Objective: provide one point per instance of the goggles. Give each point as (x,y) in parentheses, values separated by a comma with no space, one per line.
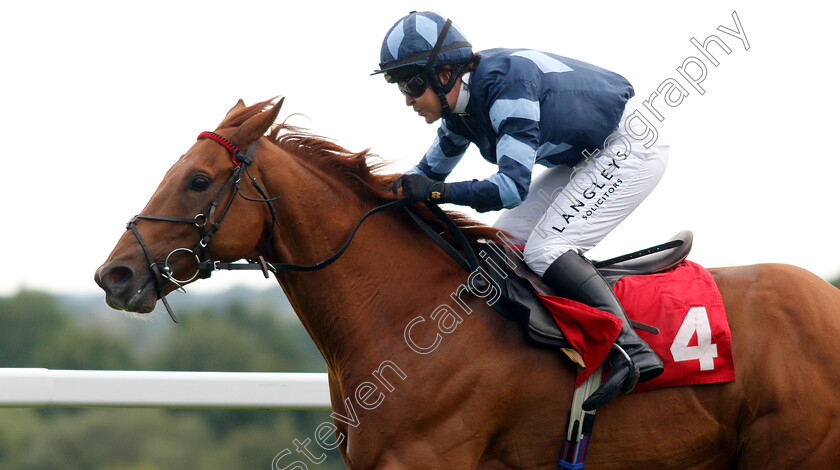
(414,86)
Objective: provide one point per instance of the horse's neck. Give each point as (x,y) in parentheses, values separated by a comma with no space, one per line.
(363,301)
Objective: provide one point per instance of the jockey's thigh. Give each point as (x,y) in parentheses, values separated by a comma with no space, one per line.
(595,196)
(519,221)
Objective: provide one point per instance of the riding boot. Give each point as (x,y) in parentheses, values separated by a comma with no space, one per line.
(631,359)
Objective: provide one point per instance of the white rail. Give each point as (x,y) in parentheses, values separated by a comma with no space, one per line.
(37,387)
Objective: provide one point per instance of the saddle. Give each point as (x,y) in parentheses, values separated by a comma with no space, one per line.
(519,285)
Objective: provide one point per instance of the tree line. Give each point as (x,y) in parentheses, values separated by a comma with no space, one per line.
(43,330)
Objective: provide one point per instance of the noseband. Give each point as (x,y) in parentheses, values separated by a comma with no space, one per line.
(161,271)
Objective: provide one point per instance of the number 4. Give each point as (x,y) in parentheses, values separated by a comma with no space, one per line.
(697,320)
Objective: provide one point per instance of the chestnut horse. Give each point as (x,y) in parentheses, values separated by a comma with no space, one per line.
(469,391)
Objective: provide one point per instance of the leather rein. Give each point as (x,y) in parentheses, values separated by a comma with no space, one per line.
(209,222)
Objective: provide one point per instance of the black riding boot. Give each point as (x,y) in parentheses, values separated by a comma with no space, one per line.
(576,279)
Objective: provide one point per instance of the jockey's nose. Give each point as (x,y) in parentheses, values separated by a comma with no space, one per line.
(409,100)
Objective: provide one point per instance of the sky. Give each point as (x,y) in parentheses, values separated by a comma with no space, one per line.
(99,99)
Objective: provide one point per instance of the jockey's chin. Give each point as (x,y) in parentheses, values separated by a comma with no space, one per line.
(428,113)
(430,118)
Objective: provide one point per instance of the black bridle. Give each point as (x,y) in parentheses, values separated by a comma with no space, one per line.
(161,270)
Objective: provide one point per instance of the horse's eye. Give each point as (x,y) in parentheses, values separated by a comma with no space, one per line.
(199,183)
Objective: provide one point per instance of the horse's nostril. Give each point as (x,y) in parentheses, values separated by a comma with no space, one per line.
(118,275)
(116,280)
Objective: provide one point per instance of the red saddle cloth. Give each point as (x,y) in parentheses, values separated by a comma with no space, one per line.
(684,303)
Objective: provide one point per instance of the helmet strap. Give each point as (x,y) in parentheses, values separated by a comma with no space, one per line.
(443,89)
(440,89)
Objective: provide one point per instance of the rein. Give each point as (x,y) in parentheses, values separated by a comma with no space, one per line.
(161,271)
(469,264)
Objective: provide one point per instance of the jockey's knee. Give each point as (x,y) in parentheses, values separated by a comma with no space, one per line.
(541,251)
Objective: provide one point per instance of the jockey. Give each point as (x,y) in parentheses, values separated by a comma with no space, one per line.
(521,107)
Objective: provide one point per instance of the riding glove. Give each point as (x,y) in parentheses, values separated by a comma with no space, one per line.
(422,188)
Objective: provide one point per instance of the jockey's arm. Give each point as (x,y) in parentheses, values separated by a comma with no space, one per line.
(515,116)
(445,152)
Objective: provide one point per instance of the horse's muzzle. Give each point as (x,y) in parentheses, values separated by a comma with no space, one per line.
(125,289)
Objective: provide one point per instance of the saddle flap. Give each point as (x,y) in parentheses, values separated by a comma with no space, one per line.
(518,301)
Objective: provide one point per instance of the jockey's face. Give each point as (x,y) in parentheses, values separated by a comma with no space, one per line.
(428,106)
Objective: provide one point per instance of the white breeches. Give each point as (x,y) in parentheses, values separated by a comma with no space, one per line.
(574,208)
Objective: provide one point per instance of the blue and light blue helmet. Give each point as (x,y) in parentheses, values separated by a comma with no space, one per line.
(411,40)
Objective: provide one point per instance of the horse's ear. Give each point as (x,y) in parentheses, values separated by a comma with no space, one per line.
(256,127)
(239,105)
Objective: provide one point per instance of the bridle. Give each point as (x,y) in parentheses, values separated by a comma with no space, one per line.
(207,222)
(161,270)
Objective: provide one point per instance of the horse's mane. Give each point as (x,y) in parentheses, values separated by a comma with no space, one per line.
(356,169)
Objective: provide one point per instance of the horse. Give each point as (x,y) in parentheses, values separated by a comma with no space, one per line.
(465,391)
